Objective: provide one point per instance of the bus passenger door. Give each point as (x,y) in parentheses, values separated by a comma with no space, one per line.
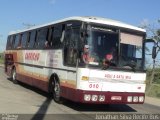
(70,55)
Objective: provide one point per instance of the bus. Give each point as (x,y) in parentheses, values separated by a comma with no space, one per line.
(83,59)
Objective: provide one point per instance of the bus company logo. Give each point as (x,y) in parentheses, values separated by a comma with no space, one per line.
(32,56)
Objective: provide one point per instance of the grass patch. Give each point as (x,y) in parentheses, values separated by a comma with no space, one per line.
(153,91)
(1,61)
(1,58)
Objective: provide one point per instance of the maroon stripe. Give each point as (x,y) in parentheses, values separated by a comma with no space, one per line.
(78,96)
(43,85)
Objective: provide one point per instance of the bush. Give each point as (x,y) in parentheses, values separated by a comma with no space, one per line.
(1,58)
(154,91)
(156,79)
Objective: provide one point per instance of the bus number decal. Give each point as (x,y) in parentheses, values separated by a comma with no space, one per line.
(94,86)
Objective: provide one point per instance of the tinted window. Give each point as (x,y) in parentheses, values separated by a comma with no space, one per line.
(16,42)
(42,38)
(48,43)
(24,39)
(56,36)
(31,41)
(9,42)
(71,46)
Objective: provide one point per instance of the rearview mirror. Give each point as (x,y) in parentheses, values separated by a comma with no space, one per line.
(149,40)
(154,49)
(154,52)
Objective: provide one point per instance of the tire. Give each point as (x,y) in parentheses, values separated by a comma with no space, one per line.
(55,89)
(14,73)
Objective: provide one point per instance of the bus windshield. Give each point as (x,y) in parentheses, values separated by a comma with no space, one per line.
(131,53)
(103,49)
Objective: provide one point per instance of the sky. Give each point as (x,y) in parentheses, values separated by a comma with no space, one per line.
(16,14)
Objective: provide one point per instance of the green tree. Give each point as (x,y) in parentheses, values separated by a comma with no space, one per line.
(153,32)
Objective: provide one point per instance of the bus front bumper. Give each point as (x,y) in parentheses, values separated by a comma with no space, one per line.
(104,97)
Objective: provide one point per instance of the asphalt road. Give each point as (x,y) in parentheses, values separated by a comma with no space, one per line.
(21,101)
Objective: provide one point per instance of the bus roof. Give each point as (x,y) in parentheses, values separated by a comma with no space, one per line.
(88,19)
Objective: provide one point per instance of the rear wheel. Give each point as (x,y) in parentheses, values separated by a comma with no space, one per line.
(14,73)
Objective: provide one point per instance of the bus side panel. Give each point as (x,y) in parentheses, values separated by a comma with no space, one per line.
(24,79)
(43,85)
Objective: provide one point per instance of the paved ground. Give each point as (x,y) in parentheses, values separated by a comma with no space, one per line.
(152,101)
(22,99)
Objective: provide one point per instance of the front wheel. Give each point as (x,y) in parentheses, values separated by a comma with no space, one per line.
(56,90)
(14,73)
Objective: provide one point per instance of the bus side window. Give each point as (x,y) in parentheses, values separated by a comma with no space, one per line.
(19,46)
(24,39)
(12,41)
(48,42)
(71,46)
(31,40)
(63,33)
(28,40)
(42,38)
(56,37)
(9,42)
(16,42)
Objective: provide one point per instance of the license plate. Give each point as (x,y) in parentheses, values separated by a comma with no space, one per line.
(116,98)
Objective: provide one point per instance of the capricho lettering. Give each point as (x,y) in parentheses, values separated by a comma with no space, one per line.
(32,56)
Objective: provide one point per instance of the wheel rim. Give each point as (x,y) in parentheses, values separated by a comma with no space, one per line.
(56,89)
(14,75)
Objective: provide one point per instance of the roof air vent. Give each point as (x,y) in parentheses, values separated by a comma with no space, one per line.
(93,18)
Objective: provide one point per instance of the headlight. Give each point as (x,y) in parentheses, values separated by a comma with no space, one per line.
(94,97)
(101,98)
(129,99)
(135,99)
(87,97)
(141,98)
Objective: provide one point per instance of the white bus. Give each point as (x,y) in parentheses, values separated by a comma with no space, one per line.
(82,59)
